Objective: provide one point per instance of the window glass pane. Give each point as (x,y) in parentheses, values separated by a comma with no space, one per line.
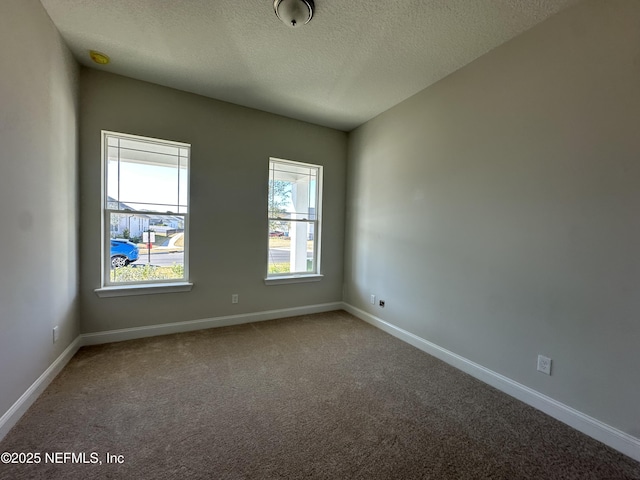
(146,247)
(146,146)
(292,190)
(147,158)
(291,247)
(149,207)
(279,198)
(149,182)
(112,174)
(308,215)
(184,183)
(289,171)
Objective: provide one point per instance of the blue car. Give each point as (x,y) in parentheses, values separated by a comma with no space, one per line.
(123,252)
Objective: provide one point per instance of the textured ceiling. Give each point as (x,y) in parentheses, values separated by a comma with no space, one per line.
(354,60)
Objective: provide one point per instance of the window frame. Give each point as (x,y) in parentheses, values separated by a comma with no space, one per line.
(299,277)
(108,287)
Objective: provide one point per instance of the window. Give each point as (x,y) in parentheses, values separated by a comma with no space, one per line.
(295,200)
(145,210)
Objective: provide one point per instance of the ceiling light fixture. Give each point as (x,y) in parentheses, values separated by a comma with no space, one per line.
(99,58)
(294,12)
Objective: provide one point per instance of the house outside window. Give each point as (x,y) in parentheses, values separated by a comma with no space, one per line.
(145,210)
(294,215)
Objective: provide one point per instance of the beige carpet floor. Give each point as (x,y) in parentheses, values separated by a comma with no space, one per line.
(320,396)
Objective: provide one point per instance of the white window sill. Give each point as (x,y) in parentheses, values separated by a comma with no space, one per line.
(292,279)
(143,289)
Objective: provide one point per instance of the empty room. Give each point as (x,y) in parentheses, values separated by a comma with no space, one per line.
(320,239)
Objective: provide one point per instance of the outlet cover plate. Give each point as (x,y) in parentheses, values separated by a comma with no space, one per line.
(544,364)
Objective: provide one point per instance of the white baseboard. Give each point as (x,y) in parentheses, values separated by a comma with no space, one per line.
(11,416)
(188,326)
(596,429)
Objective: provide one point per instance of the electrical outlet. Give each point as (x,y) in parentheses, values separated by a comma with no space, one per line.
(55,334)
(373,299)
(381,303)
(544,364)
(234,298)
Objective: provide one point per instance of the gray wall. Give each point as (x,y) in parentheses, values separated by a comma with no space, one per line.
(497,212)
(38,192)
(231,146)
